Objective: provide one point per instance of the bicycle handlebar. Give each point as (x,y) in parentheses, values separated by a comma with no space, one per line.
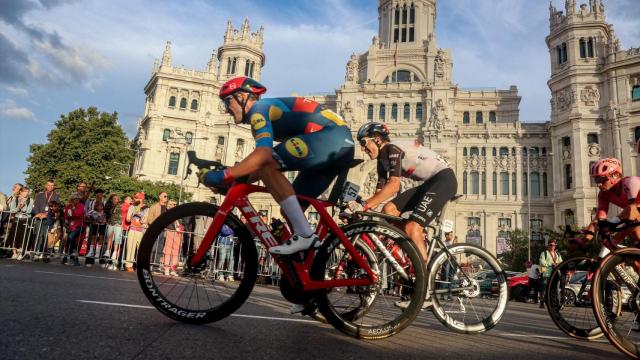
(201,163)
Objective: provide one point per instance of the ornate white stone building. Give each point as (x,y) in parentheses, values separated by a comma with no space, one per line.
(404,79)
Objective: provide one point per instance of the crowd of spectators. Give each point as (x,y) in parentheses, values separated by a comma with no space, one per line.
(103,229)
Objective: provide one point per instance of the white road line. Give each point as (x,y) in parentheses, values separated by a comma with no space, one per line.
(85,276)
(235,315)
(545,337)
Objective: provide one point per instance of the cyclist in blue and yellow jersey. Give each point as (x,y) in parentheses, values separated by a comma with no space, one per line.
(313,140)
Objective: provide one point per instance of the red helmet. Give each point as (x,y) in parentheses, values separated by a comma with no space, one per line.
(241,83)
(606,167)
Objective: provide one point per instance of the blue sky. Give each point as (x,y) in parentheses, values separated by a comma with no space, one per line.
(58,55)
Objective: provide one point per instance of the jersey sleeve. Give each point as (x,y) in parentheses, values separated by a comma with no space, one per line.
(633,189)
(261,127)
(603,206)
(382,176)
(395,161)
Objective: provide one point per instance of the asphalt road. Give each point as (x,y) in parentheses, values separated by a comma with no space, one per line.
(51,311)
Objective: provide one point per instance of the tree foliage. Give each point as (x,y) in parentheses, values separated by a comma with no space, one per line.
(90,146)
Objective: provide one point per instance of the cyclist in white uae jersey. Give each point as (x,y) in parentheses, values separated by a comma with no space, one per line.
(412,160)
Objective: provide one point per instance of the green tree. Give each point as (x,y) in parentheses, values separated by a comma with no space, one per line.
(518,243)
(90,146)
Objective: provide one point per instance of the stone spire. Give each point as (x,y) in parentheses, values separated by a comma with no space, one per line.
(166,55)
(570,7)
(212,65)
(228,34)
(245,29)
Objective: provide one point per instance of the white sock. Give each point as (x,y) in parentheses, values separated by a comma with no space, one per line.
(294,213)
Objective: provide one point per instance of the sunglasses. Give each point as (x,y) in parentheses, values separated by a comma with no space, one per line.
(363,142)
(600,179)
(226,101)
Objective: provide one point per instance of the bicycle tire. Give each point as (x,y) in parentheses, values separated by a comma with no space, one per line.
(147,271)
(453,315)
(618,328)
(575,320)
(374,302)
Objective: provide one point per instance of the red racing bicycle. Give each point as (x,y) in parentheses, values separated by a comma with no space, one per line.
(356,300)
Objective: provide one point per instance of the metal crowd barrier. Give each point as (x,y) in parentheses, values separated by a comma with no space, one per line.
(27,238)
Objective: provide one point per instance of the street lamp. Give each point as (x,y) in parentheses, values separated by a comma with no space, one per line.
(528,149)
(188,140)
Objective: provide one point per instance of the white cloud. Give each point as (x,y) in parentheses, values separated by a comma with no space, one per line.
(19,91)
(11,110)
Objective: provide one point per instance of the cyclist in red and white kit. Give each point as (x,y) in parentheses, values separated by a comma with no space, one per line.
(618,190)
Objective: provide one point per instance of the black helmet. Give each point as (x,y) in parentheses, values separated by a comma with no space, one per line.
(371,128)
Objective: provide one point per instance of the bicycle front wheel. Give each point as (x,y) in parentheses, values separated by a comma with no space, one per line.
(569,299)
(618,273)
(468,289)
(375,311)
(215,288)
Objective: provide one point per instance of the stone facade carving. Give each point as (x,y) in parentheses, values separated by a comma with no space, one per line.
(439,119)
(352,70)
(239,150)
(504,162)
(440,65)
(594,150)
(563,99)
(590,95)
(475,162)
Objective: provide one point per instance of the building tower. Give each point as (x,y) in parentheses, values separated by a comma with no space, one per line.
(581,131)
(241,53)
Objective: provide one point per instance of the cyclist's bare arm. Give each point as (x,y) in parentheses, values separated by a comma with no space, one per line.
(391,188)
(257,160)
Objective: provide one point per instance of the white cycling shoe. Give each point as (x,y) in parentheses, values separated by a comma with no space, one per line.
(405,304)
(296,243)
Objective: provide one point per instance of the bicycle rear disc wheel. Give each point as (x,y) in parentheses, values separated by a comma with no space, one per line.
(370,312)
(208,292)
(569,299)
(616,273)
(468,290)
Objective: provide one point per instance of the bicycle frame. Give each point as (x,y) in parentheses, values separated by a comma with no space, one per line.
(297,272)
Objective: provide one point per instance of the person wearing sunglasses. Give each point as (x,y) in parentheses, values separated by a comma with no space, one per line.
(409,159)
(614,188)
(312,140)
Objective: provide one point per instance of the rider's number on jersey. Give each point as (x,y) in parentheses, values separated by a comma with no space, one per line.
(350,192)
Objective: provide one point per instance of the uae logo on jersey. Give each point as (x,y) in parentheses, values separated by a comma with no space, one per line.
(297,148)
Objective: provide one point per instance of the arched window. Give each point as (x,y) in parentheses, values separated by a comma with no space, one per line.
(382,111)
(183,103)
(535,184)
(590,52)
(592,138)
(464,152)
(172,101)
(464,183)
(474,151)
(194,104)
(370,112)
(544,184)
(513,151)
(188,137)
(406,112)
(166,134)
(403,31)
(478,117)
(419,111)
(465,117)
(494,152)
(396,25)
(569,219)
(504,151)
(492,116)
(559,54)
(568,177)
(394,112)
(514,182)
(400,76)
(247,67)
(525,184)
(583,48)
(475,183)
(564,53)
(483,185)
(220,140)
(504,183)
(473,231)
(483,151)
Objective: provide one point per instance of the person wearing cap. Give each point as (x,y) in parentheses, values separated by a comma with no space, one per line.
(312,140)
(137,217)
(549,259)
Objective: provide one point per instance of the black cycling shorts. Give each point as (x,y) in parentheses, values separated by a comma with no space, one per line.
(428,199)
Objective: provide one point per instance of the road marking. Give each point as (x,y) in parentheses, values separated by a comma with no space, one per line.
(85,276)
(235,315)
(546,337)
